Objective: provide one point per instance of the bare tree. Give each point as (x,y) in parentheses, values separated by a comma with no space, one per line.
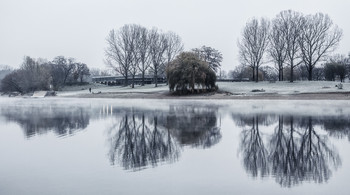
(254,43)
(318,37)
(119,54)
(292,23)
(278,46)
(210,55)
(31,76)
(66,65)
(174,47)
(135,34)
(142,50)
(81,71)
(158,47)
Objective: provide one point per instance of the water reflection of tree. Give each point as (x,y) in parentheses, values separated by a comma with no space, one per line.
(137,144)
(283,156)
(193,126)
(296,152)
(40,120)
(253,149)
(315,155)
(145,138)
(337,126)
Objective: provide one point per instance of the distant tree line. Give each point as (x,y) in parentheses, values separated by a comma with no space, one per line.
(100,72)
(4,70)
(41,74)
(335,68)
(289,40)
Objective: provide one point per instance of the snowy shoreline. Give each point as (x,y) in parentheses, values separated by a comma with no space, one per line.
(323,90)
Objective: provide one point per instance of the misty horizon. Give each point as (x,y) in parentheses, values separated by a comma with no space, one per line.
(79,29)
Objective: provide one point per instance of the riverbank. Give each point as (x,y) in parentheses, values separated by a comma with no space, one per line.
(320,90)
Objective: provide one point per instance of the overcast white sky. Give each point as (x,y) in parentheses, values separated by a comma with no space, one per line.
(78,28)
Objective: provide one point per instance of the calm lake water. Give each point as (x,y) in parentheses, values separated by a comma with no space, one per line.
(102,146)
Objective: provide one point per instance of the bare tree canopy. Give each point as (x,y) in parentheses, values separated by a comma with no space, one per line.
(66,65)
(175,46)
(81,71)
(39,74)
(134,50)
(278,46)
(291,28)
(253,44)
(210,55)
(318,37)
(119,51)
(142,51)
(158,47)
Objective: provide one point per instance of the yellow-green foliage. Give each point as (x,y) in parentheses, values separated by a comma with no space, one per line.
(188,73)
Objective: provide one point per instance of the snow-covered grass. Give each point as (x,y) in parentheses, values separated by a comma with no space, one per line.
(236,88)
(282,87)
(96,88)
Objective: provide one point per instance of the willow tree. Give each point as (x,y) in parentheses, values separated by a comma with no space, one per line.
(188,73)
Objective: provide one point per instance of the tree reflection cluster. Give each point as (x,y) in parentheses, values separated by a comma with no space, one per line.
(142,138)
(293,153)
(294,150)
(35,120)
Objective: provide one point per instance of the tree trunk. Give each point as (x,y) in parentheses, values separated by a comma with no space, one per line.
(133,81)
(192,80)
(310,74)
(156,78)
(291,73)
(143,78)
(257,74)
(126,79)
(253,74)
(282,74)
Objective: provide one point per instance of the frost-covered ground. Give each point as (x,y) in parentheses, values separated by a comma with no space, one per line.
(236,88)
(96,88)
(283,87)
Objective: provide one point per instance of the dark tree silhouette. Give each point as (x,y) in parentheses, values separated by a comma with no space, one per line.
(188,73)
